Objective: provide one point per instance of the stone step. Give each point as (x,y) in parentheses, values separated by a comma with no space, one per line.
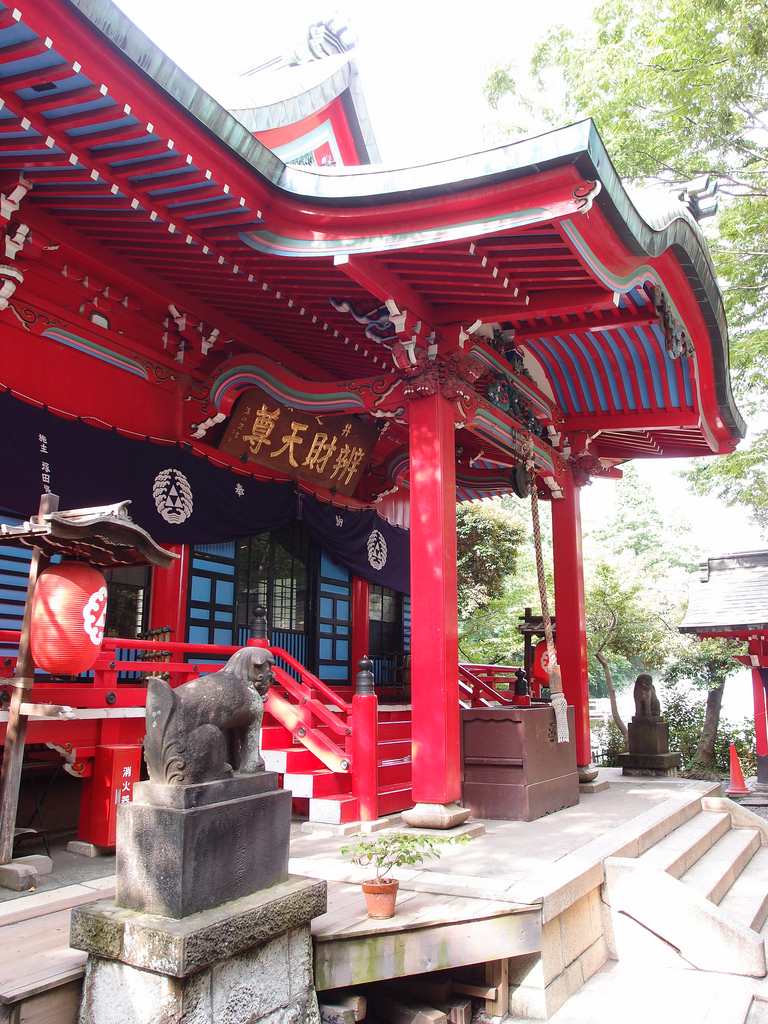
(334,810)
(648,904)
(714,874)
(318,783)
(677,852)
(747,899)
(290,759)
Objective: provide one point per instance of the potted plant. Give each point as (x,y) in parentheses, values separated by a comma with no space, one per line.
(383,853)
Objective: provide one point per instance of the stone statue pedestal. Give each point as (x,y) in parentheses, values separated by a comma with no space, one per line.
(185,849)
(649,752)
(242,962)
(206,926)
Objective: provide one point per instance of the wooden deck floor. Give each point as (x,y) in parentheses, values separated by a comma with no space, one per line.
(430,932)
(35,955)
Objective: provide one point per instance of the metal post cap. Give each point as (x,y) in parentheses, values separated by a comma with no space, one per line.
(364,678)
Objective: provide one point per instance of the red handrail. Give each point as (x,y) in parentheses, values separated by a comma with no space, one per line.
(293,718)
(312,682)
(479,692)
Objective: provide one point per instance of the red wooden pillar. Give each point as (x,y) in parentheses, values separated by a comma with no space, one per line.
(168,606)
(434,618)
(759,700)
(569,605)
(360,622)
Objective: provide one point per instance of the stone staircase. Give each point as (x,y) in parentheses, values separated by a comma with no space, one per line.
(675,896)
(697,898)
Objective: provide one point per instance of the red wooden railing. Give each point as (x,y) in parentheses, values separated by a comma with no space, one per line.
(339,733)
(478,684)
(305,718)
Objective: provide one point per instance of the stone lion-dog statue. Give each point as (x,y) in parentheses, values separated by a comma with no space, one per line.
(646,702)
(209,728)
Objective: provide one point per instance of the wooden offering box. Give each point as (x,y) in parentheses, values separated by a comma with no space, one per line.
(513,767)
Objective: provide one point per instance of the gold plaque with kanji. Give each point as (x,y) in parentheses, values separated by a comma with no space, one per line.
(329,451)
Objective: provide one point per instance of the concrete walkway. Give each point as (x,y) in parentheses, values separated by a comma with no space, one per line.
(509,851)
(634,995)
(495,865)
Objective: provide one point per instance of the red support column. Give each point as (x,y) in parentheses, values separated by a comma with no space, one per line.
(365,754)
(168,605)
(569,606)
(759,700)
(360,622)
(434,617)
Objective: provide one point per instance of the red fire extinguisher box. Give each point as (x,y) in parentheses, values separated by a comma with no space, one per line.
(115,769)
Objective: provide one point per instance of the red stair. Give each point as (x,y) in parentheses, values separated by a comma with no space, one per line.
(307,738)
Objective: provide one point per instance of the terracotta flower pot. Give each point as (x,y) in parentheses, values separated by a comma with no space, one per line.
(380,898)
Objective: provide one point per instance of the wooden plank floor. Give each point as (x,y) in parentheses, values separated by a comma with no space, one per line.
(429,932)
(35,955)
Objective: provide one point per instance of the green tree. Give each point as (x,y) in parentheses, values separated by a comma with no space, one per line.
(706,664)
(488,537)
(637,528)
(622,625)
(685,715)
(488,633)
(678,89)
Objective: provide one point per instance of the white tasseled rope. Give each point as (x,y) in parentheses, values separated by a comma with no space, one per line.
(559,703)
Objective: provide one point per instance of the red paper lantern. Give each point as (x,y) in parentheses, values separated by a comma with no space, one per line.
(540,663)
(68,613)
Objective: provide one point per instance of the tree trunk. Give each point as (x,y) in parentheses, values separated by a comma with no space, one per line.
(612,695)
(705,751)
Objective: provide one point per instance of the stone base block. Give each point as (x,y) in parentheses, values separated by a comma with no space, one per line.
(241,963)
(587,773)
(83,849)
(647,736)
(43,865)
(183,947)
(185,849)
(440,816)
(536,1001)
(594,787)
(18,876)
(650,764)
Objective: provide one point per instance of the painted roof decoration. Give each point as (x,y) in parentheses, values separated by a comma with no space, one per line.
(729,594)
(308,105)
(522,282)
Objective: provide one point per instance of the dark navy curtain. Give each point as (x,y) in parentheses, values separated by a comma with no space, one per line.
(360,540)
(177,496)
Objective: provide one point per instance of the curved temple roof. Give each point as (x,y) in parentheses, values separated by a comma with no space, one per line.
(134,169)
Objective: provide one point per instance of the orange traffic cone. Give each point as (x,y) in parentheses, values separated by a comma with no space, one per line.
(737,787)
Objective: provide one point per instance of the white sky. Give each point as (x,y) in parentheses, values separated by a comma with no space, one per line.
(422,64)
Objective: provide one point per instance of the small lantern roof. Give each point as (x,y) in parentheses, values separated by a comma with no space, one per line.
(103,536)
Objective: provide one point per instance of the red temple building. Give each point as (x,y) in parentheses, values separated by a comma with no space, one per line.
(294,373)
